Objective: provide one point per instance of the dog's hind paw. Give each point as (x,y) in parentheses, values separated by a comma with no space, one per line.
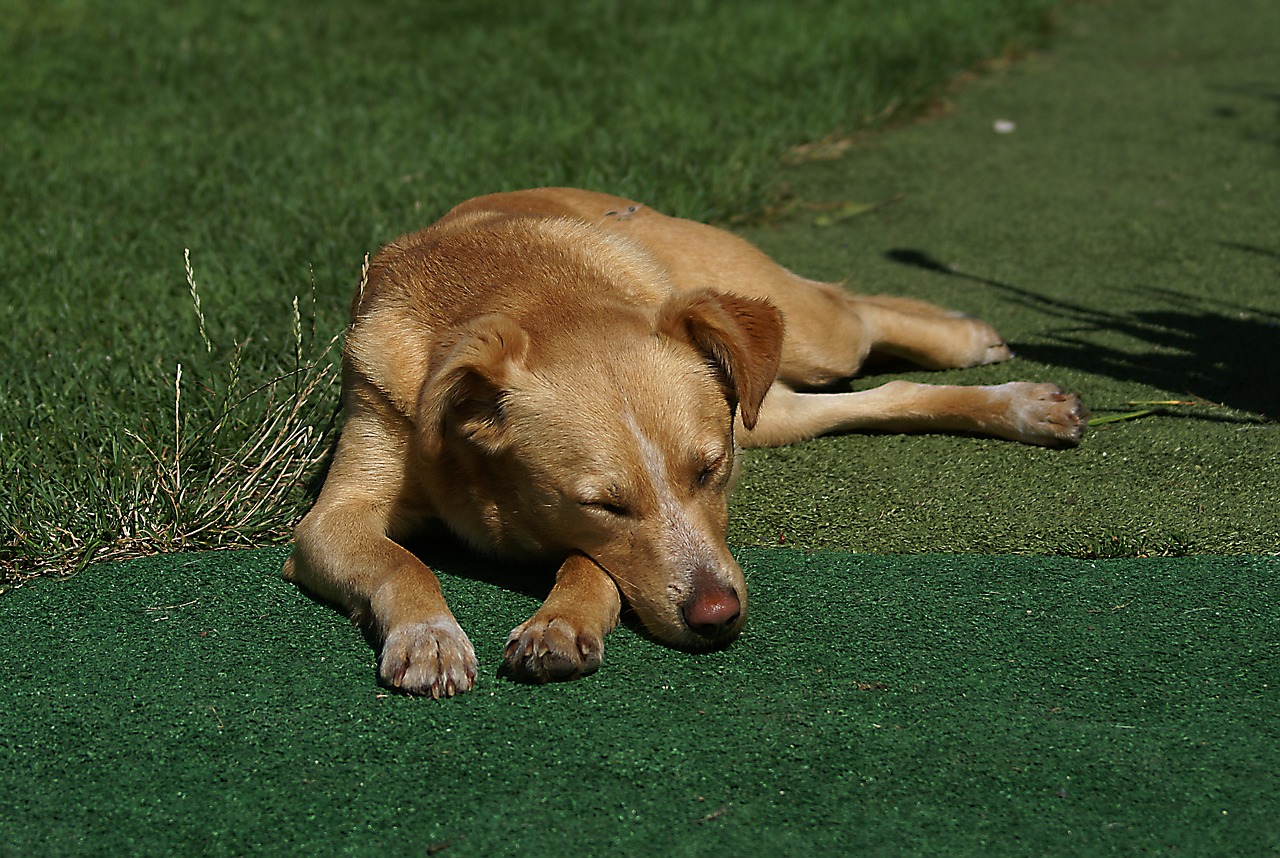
(1044,414)
(550,650)
(960,341)
(433,658)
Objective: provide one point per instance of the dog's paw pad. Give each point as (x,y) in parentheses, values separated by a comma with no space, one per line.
(434,658)
(1046,414)
(550,651)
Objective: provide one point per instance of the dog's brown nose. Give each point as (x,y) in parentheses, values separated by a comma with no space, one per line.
(712,612)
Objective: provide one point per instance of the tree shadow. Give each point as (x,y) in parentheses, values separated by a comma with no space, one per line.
(1214,350)
(1258,91)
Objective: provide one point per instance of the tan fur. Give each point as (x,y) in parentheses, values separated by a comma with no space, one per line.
(565,374)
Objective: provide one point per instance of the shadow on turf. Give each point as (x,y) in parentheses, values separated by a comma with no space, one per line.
(1193,347)
(446,554)
(1257,91)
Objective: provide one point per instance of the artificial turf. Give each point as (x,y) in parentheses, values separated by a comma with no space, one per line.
(882,705)
(1055,690)
(1123,237)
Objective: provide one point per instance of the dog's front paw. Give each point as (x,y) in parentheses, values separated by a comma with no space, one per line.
(550,650)
(1045,414)
(434,658)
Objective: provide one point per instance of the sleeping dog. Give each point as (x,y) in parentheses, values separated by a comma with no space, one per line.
(564,374)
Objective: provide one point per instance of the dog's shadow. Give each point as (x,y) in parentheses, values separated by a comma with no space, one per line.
(446,554)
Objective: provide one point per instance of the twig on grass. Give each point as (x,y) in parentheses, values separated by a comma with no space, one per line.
(1116,418)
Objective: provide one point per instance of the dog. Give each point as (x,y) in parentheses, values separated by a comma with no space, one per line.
(563,374)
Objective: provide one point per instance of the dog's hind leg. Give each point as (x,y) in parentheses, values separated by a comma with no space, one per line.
(565,638)
(926,335)
(831,333)
(1042,414)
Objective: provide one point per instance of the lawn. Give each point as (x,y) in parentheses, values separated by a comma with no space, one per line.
(957,646)
(190,191)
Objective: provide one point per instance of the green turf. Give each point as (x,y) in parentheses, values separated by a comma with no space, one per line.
(1124,238)
(282,141)
(928,705)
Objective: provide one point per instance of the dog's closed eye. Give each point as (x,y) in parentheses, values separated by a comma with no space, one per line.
(706,475)
(608,507)
(709,470)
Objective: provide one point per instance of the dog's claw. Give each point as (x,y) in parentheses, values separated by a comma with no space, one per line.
(550,651)
(433,659)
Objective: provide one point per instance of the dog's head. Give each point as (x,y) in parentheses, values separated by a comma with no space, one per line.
(616,442)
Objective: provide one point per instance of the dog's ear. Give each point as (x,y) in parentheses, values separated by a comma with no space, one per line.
(742,337)
(463,392)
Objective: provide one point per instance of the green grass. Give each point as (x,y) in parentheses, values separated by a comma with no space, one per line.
(896,706)
(280,142)
(938,703)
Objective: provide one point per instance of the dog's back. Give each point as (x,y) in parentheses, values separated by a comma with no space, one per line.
(560,279)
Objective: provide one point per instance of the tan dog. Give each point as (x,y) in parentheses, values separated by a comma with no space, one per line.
(560,373)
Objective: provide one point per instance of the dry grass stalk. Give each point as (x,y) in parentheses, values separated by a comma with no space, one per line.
(230,476)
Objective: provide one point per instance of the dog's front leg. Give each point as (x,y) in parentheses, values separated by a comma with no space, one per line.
(565,638)
(342,555)
(424,650)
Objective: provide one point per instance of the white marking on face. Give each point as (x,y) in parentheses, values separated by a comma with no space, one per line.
(685,544)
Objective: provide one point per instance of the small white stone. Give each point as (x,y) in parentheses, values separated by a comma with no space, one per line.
(1005,126)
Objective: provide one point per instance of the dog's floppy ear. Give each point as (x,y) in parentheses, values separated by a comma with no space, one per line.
(462,394)
(742,337)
